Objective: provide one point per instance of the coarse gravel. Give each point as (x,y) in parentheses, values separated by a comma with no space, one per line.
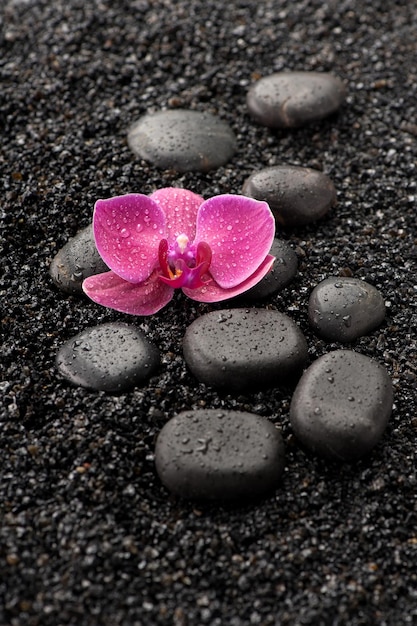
(88,534)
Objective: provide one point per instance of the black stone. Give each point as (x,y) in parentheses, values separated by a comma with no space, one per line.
(341,405)
(77,260)
(291,99)
(111,357)
(219,455)
(283,271)
(183,140)
(343,309)
(243,349)
(296,195)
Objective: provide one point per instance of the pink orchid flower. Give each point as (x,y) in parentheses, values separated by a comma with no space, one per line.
(212,249)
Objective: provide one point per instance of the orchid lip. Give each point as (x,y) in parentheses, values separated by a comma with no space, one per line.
(183,265)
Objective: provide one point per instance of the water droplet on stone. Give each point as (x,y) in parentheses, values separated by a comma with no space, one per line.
(347,320)
(76,276)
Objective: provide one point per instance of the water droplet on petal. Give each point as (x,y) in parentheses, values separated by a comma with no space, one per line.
(125,233)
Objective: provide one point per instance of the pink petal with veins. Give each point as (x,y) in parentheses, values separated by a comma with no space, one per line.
(180,207)
(212,292)
(145,298)
(127,231)
(240,232)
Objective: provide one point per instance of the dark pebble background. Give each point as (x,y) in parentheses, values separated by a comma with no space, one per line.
(88,535)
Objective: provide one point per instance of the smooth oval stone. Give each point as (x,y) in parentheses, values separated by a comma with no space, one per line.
(341,405)
(291,99)
(296,195)
(77,260)
(219,455)
(282,273)
(183,140)
(244,349)
(343,309)
(111,357)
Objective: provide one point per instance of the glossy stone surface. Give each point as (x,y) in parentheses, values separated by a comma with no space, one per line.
(244,349)
(341,405)
(343,309)
(219,455)
(111,357)
(282,273)
(183,140)
(77,260)
(291,99)
(296,195)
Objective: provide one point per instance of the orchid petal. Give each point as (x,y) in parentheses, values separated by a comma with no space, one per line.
(240,232)
(180,207)
(145,298)
(163,257)
(212,292)
(127,231)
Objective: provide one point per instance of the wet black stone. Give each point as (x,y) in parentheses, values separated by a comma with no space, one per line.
(183,140)
(341,405)
(77,260)
(296,195)
(241,349)
(343,309)
(219,455)
(111,357)
(291,99)
(282,273)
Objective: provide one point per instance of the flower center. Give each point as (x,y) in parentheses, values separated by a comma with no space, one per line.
(181,250)
(183,264)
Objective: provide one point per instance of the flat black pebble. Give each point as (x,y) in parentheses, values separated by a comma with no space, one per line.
(183,140)
(219,455)
(341,405)
(291,99)
(111,357)
(77,260)
(296,195)
(282,273)
(343,309)
(243,349)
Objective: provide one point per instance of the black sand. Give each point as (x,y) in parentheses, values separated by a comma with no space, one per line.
(88,536)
